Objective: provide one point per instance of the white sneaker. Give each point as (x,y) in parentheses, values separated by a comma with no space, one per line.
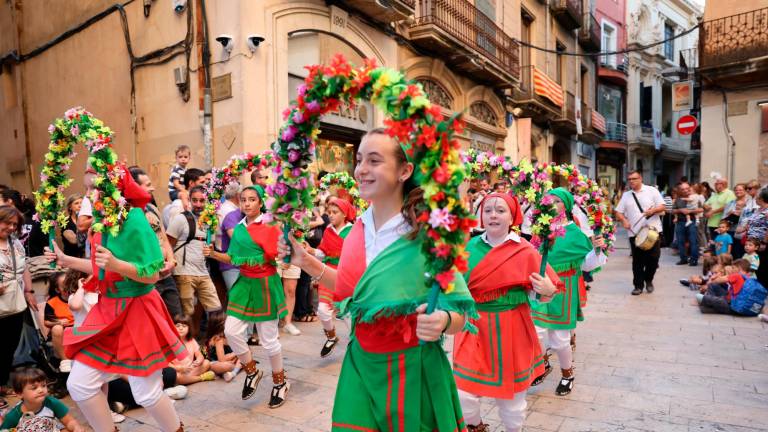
(292,329)
(176,393)
(117,418)
(228,376)
(65,366)
(763,317)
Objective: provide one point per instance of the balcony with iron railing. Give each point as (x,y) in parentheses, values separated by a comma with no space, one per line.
(467,40)
(614,69)
(734,50)
(539,108)
(590,33)
(689,58)
(385,11)
(565,123)
(567,12)
(589,134)
(616,132)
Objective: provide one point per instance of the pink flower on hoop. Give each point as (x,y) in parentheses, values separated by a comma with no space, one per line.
(441,218)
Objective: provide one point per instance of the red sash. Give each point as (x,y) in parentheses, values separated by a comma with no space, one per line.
(506,267)
(386,334)
(332,243)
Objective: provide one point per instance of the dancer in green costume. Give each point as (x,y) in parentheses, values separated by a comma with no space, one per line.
(569,256)
(257,295)
(389,381)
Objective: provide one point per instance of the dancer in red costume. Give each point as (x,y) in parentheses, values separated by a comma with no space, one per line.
(129,331)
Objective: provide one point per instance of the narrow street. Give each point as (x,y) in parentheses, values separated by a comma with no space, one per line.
(645,363)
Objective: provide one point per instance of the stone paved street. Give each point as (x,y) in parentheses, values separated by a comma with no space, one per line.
(647,363)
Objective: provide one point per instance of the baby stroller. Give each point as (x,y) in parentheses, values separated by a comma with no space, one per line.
(36,351)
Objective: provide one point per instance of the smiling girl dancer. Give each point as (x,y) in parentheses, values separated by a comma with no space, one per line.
(388,379)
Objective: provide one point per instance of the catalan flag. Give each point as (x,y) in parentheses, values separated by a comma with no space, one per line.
(546,87)
(598,121)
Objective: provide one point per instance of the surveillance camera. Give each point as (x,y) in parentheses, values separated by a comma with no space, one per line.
(226,42)
(179,5)
(253,41)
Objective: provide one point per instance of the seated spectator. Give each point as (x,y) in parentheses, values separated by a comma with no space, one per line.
(194,368)
(695,281)
(723,241)
(37,410)
(120,396)
(223,361)
(722,289)
(725,259)
(58,316)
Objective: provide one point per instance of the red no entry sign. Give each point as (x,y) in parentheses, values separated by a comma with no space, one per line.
(687,124)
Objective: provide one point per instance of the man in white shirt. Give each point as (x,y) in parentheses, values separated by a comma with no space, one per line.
(641,206)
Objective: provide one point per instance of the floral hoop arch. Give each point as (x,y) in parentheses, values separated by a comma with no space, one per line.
(222,177)
(79,126)
(415,123)
(345,181)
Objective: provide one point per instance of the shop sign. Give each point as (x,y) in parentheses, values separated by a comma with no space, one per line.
(682,96)
(482,142)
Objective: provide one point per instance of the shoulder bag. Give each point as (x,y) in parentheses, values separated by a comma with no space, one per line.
(12,299)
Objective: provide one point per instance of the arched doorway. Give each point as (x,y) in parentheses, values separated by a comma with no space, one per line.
(561,153)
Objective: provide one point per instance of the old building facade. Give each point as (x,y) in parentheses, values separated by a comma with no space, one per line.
(162,77)
(655,147)
(733,71)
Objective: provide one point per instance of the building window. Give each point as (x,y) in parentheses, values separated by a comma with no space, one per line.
(669,43)
(608,44)
(560,66)
(525,36)
(585,84)
(436,92)
(484,113)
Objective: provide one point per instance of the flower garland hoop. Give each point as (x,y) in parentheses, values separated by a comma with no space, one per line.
(345,181)
(109,207)
(414,122)
(480,163)
(222,177)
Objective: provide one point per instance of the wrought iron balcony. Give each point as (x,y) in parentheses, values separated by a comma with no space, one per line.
(565,123)
(734,49)
(539,108)
(468,40)
(385,11)
(568,12)
(614,69)
(590,33)
(616,132)
(589,133)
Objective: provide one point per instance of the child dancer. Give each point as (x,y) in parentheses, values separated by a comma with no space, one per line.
(502,359)
(388,379)
(257,296)
(129,330)
(341,213)
(569,256)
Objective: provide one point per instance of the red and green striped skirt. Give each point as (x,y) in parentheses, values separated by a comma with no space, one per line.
(408,390)
(502,358)
(257,299)
(131,336)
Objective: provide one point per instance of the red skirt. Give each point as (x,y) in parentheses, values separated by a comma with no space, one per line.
(502,358)
(131,336)
(325,294)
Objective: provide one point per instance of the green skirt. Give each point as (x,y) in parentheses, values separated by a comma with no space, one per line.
(257,299)
(564,310)
(409,390)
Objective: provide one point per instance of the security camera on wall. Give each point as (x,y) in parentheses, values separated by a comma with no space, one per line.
(253,41)
(227,43)
(179,5)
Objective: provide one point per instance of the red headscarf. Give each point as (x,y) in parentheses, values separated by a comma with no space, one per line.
(131,191)
(514,207)
(348,209)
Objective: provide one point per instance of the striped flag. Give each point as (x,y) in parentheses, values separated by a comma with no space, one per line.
(546,87)
(598,121)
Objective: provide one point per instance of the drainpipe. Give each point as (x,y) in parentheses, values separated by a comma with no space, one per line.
(204,81)
(23,87)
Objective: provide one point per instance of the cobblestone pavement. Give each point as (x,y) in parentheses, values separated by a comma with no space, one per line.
(645,363)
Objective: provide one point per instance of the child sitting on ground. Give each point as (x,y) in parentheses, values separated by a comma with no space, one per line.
(57,317)
(695,281)
(194,368)
(223,361)
(37,410)
(750,254)
(722,289)
(723,241)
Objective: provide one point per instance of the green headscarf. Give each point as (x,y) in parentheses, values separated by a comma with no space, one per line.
(260,192)
(566,197)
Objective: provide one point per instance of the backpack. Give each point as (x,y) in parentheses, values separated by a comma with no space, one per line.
(191,232)
(751,298)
